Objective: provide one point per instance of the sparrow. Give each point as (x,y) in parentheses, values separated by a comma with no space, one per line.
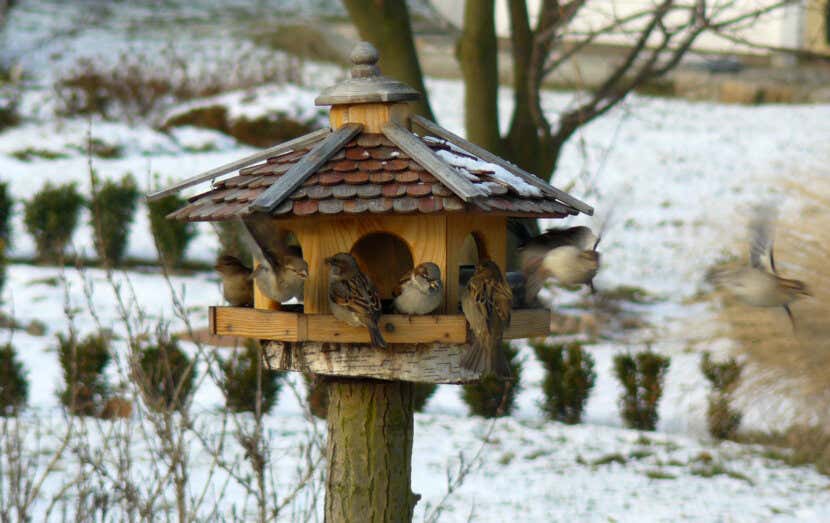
(569,255)
(486,302)
(237,288)
(420,290)
(280,271)
(353,298)
(754,285)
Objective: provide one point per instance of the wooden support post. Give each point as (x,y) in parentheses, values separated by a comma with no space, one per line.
(369,452)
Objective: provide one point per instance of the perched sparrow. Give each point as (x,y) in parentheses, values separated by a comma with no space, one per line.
(353,298)
(486,302)
(755,285)
(420,290)
(281,271)
(237,288)
(282,279)
(569,255)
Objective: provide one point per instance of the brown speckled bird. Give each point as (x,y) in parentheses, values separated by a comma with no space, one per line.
(569,255)
(280,271)
(237,288)
(353,298)
(486,302)
(754,285)
(420,290)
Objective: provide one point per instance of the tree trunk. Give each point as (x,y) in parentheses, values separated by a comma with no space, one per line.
(525,146)
(369,452)
(477,53)
(385,24)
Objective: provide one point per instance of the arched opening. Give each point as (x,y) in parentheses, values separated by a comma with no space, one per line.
(384,258)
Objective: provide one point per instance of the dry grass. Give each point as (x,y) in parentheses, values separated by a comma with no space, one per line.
(785,363)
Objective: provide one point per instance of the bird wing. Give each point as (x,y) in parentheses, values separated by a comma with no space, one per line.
(398,290)
(266,242)
(761,231)
(358,295)
(579,236)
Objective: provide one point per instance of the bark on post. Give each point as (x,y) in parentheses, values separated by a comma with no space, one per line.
(370,430)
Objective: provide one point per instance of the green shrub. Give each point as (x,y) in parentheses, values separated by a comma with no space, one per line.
(14,389)
(112,210)
(167,375)
(240,381)
(317,395)
(487,396)
(569,378)
(51,217)
(6,210)
(172,236)
(641,377)
(83,364)
(422,393)
(722,419)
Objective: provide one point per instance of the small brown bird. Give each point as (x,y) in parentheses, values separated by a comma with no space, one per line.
(353,298)
(754,285)
(283,277)
(569,255)
(420,290)
(237,288)
(486,302)
(280,271)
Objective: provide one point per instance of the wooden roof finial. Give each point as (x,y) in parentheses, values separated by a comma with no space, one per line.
(366,84)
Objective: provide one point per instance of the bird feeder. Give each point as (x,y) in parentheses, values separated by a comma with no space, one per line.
(395,190)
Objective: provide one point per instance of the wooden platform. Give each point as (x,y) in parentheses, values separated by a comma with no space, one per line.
(396,328)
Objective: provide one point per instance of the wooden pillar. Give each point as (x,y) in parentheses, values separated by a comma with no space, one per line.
(369,451)
(261,301)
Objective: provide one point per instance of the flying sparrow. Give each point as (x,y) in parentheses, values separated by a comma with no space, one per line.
(754,285)
(237,288)
(420,290)
(353,298)
(569,255)
(280,271)
(486,302)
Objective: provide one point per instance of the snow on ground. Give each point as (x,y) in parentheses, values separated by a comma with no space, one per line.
(675,178)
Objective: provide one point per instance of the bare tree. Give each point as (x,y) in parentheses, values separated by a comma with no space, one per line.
(657,36)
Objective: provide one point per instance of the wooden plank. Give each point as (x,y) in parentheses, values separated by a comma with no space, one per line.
(372,116)
(396,328)
(421,153)
(308,164)
(255,323)
(486,155)
(528,323)
(433,363)
(291,145)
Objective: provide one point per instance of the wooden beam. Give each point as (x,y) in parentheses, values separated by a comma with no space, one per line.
(421,153)
(308,164)
(291,145)
(487,156)
(436,363)
(396,328)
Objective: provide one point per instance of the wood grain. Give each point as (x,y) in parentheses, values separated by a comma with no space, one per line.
(372,116)
(396,328)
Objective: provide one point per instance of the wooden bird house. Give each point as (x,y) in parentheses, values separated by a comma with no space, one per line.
(395,190)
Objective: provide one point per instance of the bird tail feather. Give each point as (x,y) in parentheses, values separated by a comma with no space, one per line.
(486,359)
(377,338)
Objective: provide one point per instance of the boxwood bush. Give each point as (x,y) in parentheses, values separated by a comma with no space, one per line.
(487,396)
(51,217)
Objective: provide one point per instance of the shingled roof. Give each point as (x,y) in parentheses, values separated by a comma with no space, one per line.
(352,171)
(370,174)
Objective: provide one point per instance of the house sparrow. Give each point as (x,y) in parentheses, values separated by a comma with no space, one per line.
(569,255)
(281,271)
(282,279)
(420,290)
(353,298)
(755,285)
(237,288)
(486,304)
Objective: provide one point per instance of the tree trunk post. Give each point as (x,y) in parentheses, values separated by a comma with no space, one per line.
(369,451)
